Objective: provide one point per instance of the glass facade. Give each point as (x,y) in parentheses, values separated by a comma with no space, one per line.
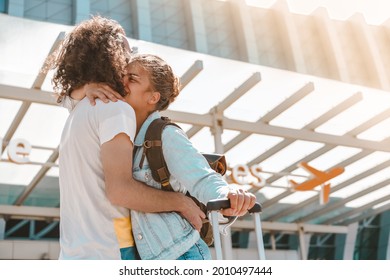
(3,6)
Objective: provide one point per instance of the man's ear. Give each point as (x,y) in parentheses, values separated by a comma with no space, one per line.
(154,98)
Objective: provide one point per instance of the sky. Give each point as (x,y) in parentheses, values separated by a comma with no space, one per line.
(376,12)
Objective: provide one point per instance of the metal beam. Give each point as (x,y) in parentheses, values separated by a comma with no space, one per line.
(370,123)
(368,214)
(354,132)
(38,177)
(16,227)
(47,164)
(346,183)
(217,131)
(361,209)
(305,134)
(36,85)
(372,55)
(254,79)
(206,120)
(193,130)
(44,69)
(350,240)
(290,101)
(45,230)
(332,206)
(289,227)
(27,95)
(190,118)
(29,212)
(307,158)
(302,243)
(302,134)
(312,125)
(16,122)
(31,229)
(44,97)
(249,83)
(361,176)
(191,73)
(284,132)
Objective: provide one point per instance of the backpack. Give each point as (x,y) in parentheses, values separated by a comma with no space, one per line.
(160,173)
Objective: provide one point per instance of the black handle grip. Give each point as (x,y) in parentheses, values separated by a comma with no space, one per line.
(218,204)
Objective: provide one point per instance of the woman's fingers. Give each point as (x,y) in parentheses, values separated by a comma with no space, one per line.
(96,93)
(91,100)
(112,94)
(240,202)
(103,92)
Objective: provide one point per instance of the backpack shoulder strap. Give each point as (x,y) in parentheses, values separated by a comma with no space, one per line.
(154,153)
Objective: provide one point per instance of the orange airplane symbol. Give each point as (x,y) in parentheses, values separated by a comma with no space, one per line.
(317,178)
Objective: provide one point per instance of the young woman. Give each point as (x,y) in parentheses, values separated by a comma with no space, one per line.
(152,86)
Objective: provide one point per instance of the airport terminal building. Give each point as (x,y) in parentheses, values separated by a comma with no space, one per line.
(299,104)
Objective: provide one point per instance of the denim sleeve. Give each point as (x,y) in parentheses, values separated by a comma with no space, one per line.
(190,168)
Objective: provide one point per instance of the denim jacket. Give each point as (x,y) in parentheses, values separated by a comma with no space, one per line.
(168,235)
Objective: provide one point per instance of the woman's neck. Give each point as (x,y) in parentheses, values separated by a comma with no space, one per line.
(141,118)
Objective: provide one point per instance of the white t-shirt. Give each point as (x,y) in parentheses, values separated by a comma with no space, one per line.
(90,226)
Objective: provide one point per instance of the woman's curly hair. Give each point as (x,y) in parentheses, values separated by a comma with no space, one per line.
(161,78)
(93,52)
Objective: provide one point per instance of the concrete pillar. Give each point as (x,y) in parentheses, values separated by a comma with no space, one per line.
(217,130)
(2,229)
(245,31)
(16,8)
(196,26)
(304,243)
(373,60)
(3,7)
(350,241)
(334,55)
(388,249)
(384,237)
(81,10)
(290,36)
(142,21)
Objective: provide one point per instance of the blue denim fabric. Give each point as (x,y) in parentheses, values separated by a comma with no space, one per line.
(168,235)
(200,251)
(129,253)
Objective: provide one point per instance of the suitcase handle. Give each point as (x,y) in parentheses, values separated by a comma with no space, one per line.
(218,204)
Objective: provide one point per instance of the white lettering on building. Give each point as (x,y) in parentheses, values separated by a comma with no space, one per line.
(243,175)
(18,150)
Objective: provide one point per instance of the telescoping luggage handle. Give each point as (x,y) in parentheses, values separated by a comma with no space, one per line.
(213,206)
(218,204)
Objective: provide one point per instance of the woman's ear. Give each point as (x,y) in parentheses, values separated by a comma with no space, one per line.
(154,98)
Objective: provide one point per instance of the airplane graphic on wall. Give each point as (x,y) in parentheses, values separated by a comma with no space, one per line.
(317,178)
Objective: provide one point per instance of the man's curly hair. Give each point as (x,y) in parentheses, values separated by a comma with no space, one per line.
(93,52)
